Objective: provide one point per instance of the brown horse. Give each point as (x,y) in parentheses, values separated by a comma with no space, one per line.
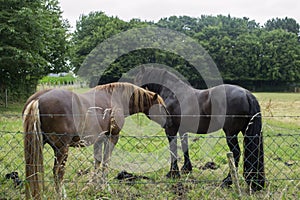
(65,119)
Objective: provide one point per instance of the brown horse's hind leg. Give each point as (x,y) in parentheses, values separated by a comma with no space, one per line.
(232,142)
(61,155)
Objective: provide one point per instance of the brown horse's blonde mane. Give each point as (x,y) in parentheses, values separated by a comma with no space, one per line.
(139,96)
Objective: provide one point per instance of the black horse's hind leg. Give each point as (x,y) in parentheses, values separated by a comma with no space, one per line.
(232,142)
(187,166)
(174,170)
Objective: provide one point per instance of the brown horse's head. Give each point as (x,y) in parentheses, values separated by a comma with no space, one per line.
(149,103)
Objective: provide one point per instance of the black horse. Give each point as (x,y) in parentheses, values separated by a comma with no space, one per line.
(228,107)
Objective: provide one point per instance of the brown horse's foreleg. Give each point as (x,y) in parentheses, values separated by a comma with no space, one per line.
(61,155)
(98,156)
(187,166)
(98,149)
(108,148)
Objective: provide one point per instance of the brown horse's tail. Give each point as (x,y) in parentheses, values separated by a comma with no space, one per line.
(33,148)
(253,148)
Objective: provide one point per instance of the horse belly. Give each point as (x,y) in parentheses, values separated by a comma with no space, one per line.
(58,131)
(203,125)
(95,123)
(210,124)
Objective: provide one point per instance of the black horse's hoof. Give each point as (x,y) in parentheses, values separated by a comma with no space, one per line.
(173,174)
(227,182)
(256,185)
(186,169)
(225,185)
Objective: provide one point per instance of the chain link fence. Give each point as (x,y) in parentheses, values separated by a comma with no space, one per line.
(140,162)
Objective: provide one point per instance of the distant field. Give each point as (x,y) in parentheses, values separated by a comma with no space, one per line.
(279,104)
(149,156)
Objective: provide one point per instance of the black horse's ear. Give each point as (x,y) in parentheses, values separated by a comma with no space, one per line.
(155,96)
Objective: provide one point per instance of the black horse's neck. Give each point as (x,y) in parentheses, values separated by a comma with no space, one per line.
(168,96)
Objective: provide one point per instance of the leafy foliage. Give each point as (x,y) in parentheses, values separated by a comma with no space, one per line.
(287,24)
(69,78)
(33,42)
(243,51)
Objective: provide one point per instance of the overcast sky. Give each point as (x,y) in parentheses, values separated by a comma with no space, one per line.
(153,10)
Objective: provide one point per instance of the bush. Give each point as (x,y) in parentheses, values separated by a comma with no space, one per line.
(57,80)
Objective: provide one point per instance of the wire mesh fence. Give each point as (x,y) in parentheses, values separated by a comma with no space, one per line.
(140,162)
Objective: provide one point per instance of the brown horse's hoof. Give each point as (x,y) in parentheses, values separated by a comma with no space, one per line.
(173,174)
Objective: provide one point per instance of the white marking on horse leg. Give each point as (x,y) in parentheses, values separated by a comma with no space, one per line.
(64,192)
(107,111)
(98,159)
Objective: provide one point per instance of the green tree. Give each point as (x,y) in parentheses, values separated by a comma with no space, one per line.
(280,58)
(33,43)
(243,51)
(287,24)
(91,30)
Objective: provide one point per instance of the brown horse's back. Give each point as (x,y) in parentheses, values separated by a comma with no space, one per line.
(72,117)
(33,97)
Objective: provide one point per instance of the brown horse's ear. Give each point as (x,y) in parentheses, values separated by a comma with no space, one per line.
(155,97)
(146,88)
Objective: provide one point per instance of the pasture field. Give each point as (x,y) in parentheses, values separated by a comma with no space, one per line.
(143,151)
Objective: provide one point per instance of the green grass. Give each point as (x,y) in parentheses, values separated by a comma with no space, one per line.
(149,156)
(280,109)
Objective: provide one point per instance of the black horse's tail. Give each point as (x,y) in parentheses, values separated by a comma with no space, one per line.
(253,147)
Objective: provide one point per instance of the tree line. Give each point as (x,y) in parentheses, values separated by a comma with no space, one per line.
(35,41)
(246,53)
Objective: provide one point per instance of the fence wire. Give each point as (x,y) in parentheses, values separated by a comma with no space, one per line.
(140,162)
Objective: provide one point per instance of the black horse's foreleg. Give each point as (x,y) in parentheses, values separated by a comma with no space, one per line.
(232,142)
(174,170)
(187,166)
